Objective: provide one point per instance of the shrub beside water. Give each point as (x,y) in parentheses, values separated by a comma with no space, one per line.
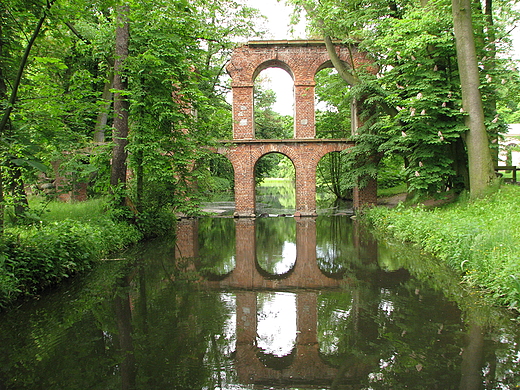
(41,255)
(480,239)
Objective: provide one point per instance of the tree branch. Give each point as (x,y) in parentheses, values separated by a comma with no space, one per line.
(340,66)
(23,62)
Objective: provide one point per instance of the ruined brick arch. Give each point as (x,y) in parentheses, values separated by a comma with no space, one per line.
(302,60)
(305,157)
(284,150)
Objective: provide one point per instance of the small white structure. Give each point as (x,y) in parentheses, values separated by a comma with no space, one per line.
(511,139)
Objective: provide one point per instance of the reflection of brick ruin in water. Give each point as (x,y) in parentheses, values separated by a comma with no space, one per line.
(302,60)
(305,279)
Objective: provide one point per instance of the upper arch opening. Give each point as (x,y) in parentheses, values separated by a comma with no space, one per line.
(273,63)
(274,103)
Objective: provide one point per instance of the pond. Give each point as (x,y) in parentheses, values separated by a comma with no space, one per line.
(265,303)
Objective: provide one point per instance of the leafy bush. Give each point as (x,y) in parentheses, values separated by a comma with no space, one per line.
(35,257)
(155,224)
(479,239)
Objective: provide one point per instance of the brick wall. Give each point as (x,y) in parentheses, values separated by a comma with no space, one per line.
(304,154)
(302,60)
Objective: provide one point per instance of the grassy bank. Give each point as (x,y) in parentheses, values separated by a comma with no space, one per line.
(62,240)
(479,239)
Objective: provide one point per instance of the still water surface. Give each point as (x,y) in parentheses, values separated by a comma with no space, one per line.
(266,303)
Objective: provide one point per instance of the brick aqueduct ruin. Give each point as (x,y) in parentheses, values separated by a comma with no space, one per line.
(302,60)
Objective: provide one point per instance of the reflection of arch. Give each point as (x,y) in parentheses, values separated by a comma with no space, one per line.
(304,274)
(306,363)
(269,275)
(277,362)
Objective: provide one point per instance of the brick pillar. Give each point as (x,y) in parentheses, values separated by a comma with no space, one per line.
(245,250)
(306,323)
(187,244)
(304,121)
(306,246)
(244,185)
(305,191)
(366,196)
(246,362)
(243,114)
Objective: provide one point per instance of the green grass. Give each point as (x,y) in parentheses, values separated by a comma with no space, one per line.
(276,181)
(479,239)
(392,191)
(53,211)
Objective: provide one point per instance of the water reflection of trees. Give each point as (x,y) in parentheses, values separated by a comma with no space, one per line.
(277,197)
(216,242)
(335,246)
(275,244)
(382,332)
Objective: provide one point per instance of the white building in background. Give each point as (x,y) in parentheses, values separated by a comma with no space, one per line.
(511,139)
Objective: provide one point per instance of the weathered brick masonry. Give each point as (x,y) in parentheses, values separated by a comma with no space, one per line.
(304,154)
(302,60)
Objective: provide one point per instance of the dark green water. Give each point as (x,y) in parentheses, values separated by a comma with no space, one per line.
(271,303)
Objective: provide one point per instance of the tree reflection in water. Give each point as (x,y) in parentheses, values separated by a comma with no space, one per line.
(276,244)
(350,314)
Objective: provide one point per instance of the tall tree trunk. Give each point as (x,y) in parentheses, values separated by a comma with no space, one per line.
(21,205)
(5,119)
(2,203)
(3,96)
(121,105)
(481,169)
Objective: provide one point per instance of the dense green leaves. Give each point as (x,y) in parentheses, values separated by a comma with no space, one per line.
(413,105)
(177,53)
(36,257)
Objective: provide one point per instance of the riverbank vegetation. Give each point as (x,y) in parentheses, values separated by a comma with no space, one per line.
(62,240)
(478,239)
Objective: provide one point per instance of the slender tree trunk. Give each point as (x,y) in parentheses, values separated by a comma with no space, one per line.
(481,170)
(2,204)
(102,118)
(5,119)
(121,105)
(3,96)
(21,205)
